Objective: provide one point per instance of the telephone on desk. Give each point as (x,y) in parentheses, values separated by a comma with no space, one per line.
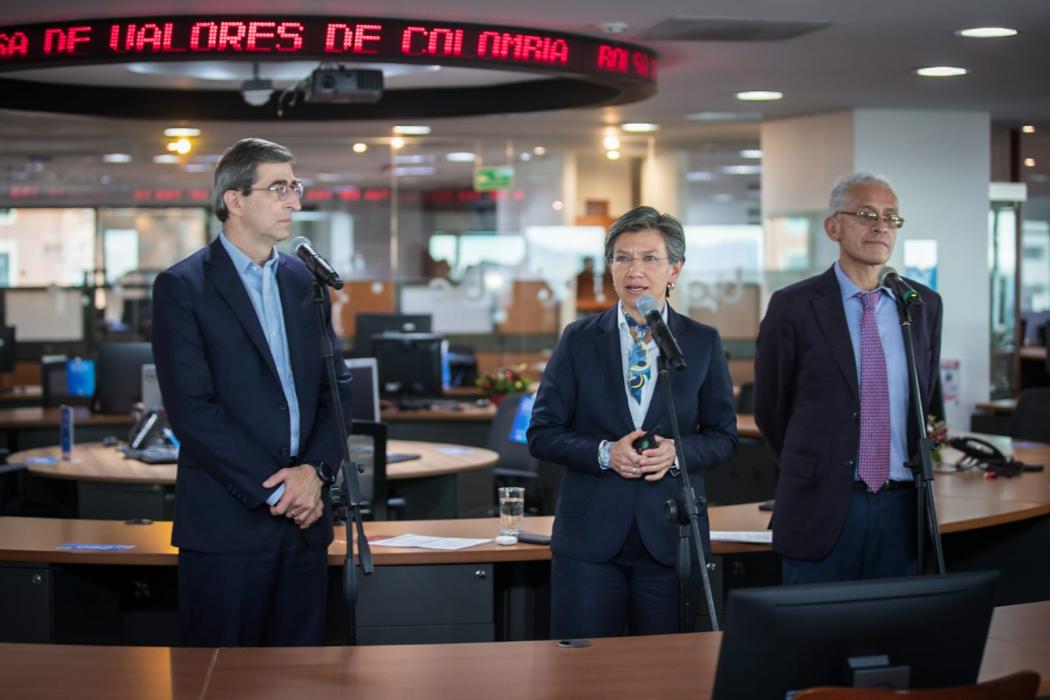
(151,440)
(984,455)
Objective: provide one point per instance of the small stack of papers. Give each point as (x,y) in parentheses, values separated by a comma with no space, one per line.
(424,542)
(748,536)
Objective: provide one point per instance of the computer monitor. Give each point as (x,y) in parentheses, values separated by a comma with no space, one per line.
(368,325)
(364,388)
(7,348)
(118,383)
(794,637)
(411,365)
(151,397)
(138,315)
(522,416)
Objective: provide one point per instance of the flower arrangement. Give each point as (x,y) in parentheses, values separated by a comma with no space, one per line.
(937,431)
(503,381)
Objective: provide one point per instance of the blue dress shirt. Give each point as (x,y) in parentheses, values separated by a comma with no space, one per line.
(261,285)
(896,365)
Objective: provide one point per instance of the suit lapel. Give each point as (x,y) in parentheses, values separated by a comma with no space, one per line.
(220,272)
(610,356)
(831,317)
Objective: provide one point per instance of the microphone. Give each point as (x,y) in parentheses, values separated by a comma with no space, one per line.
(661,333)
(905,294)
(322,271)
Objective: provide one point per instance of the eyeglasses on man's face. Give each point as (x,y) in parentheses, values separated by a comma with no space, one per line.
(871,217)
(649,262)
(283,189)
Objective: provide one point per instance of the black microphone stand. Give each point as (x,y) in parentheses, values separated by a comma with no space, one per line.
(349,503)
(921,464)
(684,510)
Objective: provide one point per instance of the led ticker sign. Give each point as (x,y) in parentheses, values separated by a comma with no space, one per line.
(336,39)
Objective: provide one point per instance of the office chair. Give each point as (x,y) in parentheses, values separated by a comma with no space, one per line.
(516,465)
(1022,685)
(1031,418)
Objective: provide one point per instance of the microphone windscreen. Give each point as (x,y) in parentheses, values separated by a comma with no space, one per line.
(647,304)
(886,272)
(298,242)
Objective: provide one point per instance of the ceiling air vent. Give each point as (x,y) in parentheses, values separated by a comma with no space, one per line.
(730,29)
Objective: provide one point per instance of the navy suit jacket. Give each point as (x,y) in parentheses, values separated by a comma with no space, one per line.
(225,404)
(807,405)
(582,401)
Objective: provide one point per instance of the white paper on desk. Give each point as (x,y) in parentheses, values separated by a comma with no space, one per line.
(748,536)
(424,542)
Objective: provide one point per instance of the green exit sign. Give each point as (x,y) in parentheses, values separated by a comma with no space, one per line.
(493,177)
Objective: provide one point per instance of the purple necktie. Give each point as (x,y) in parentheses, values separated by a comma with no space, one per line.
(874,467)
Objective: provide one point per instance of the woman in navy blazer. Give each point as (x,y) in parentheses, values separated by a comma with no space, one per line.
(613,550)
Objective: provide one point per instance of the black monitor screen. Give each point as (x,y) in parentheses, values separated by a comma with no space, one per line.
(7,349)
(522,417)
(118,375)
(364,389)
(411,365)
(784,639)
(368,325)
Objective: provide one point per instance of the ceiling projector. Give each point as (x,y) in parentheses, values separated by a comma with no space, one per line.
(343,85)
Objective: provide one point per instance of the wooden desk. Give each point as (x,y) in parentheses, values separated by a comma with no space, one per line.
(746,426)
(627,667)
(1003,407)
(31,426)
(21,395)
(464,412)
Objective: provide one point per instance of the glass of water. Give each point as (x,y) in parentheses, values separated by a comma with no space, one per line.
(511,509)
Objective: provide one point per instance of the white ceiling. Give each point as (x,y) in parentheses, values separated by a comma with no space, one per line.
(865,59)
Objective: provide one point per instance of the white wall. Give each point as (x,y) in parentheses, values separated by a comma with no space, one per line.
(801,157)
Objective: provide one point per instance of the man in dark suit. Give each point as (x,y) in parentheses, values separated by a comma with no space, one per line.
(832,401)
(613,550)
(238,354)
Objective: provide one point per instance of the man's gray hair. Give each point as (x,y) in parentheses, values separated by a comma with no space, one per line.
(236,169)
(646,219)
(840,192)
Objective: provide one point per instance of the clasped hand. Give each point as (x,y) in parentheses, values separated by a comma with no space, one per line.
(651,464)
(301,500)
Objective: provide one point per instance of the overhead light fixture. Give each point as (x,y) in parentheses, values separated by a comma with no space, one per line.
(197,168)
(412,130)
(742,169)
(359,147)
(414,171)
(724,116)
(182,132)
(612,155)
(611,142)
(751,153)
(639,127)
(539,151)
(257,91)
(759,95)
(413,159)
(1029,162)
(166,158)
(525,156)
(397,142)
(1028,129)
(941,71)
(116,158)
(987,32)
(557,205)
(182,146)
(460,157)
(699,176)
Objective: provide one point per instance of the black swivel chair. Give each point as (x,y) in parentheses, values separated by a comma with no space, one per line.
(1031,418)
(516,466)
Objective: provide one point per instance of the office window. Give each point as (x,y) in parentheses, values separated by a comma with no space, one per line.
(41,247)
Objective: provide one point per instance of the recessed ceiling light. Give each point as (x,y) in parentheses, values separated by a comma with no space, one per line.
(413,170)
(742,169)
(699,176)
(459,157)
(1029,162)
(414,159)
(526,157)
(941,71)
(1028,129)
(612,155)
(557,205)
(539,151)
(611,142)
(759,95)
(182,146)
(359,147)
(751,153)
(397,142)
(411,130)
(987,32)
(639,127)
(197,168)
(116,158)
(182,132)
(166,158)
(723,116)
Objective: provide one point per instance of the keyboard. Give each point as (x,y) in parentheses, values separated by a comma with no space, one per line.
(160,454)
